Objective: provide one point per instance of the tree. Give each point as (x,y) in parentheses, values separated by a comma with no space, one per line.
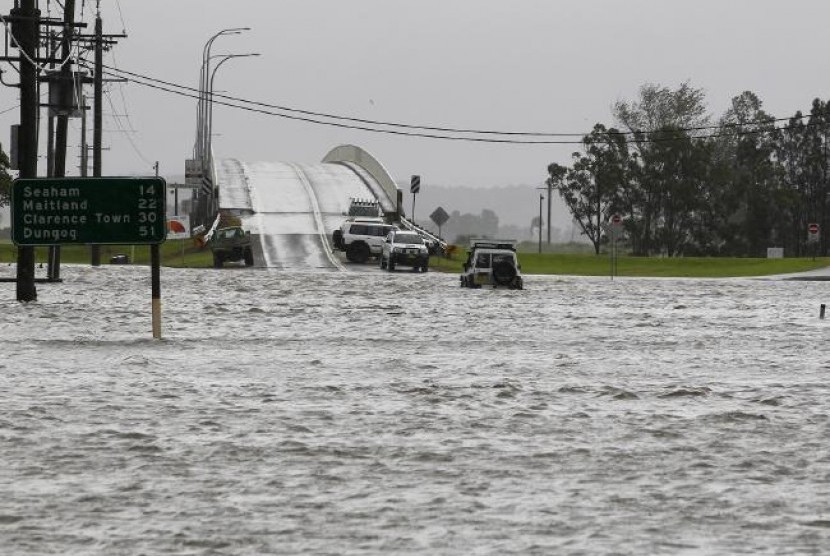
(791,152)
(660,107)
(751,207)
(660,122)
(5,179)
(591,187)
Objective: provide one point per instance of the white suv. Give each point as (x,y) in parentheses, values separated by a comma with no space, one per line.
(492,263)
(361,238)
(402,247)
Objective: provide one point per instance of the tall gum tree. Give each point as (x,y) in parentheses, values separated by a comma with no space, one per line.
(591,188)
(654,122)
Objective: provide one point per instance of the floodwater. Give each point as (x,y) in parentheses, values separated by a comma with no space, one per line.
(368,413)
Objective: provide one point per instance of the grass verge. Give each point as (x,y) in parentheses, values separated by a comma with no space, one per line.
(677,267)
(183,254)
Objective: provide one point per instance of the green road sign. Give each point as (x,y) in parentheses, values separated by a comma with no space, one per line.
(55,211)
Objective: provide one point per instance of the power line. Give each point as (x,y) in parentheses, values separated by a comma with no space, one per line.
(189,92)
(444,129)
(127,134)
(343,125)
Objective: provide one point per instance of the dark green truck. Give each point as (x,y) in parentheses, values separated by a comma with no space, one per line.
(231,244)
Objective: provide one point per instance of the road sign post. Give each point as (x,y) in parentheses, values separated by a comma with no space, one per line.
(813,232)
(414,188)
(813,236)
(439,216)
(615,228)
(93,211)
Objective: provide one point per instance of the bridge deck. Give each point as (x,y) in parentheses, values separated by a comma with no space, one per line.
(291,208)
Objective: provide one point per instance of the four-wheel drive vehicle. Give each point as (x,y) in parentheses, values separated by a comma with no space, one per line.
(404,248)
(492,263)
(361,238)
(231,244)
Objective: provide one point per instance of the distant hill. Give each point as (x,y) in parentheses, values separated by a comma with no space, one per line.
(515,205)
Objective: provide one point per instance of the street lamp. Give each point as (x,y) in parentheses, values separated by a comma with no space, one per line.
(208,153)
(203,82)
(225,58)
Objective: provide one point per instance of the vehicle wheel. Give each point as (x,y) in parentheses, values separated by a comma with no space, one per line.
(424,268)
(249,257)
(390,264)
(358,252)
(503,273)
(217,260)
(337,239)
(518,284)
(382,262)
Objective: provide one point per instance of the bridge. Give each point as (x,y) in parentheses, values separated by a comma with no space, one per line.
(291,209)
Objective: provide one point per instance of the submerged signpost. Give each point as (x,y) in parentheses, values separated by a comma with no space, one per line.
(615,229)
(93,211)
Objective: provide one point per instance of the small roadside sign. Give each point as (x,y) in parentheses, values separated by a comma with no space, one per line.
(178,227)
(615,225)
(813,231)
(439,216)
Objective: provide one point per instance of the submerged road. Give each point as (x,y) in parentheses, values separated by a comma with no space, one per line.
(291,208)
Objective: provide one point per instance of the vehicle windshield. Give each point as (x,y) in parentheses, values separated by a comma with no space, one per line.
(227,234)
(409,238)
(377,230)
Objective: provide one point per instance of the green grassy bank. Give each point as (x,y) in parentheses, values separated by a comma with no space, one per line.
(182,253)
(680,267)
(174,253)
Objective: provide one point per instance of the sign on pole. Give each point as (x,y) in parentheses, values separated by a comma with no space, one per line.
(440,217)
(178,227)
(56,211)
(615,228)
(813,231)
(414,188)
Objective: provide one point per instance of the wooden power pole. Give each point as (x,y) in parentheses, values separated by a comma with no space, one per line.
(27,27)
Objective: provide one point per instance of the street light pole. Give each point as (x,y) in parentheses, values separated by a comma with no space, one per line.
(203,74)
(208,153)
(209,126)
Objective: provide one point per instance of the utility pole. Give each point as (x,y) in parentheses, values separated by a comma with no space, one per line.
(541,198)
(66,84)
(27,28)
(84,147)
(550,197)
(97,116)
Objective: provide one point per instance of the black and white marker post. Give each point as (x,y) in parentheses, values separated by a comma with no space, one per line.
(414,188)
(155,280)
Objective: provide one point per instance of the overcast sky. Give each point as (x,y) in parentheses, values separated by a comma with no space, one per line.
(518,65)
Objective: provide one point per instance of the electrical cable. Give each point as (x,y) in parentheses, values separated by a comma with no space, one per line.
(191,93)
(429,128)
(24,54)
(127,134)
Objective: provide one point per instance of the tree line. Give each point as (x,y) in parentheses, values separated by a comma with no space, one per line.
(687,186)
